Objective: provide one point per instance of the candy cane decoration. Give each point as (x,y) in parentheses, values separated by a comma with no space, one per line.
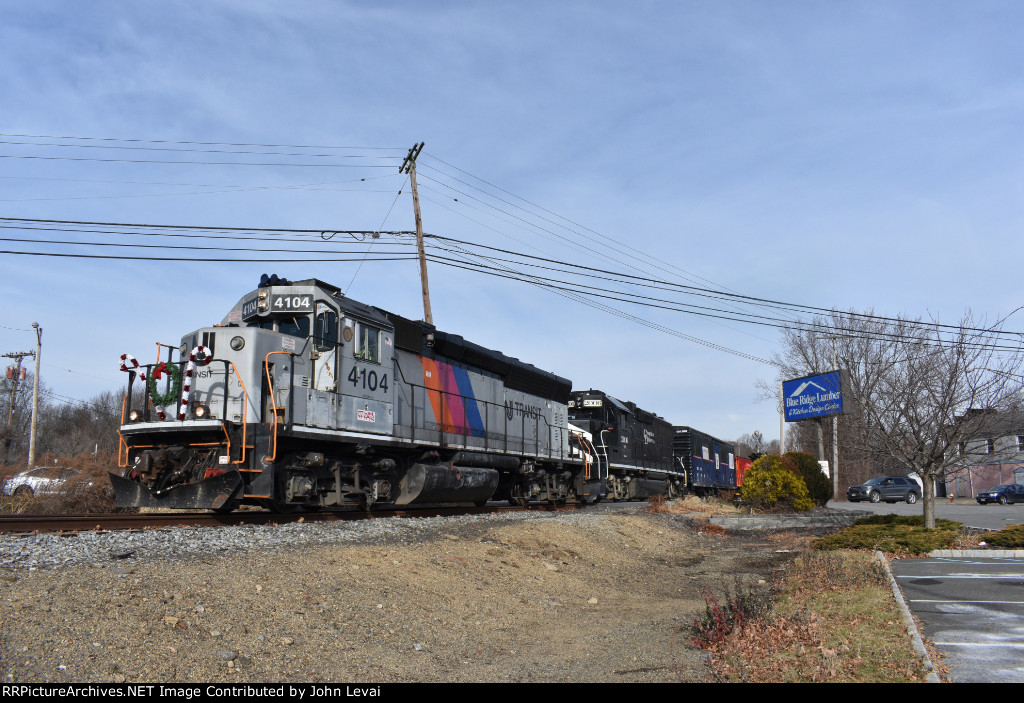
(129,359)
(187,385)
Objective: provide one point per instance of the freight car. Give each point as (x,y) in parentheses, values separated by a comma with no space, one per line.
(302,398)
(708,462)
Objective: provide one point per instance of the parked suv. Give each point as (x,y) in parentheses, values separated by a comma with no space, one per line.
(1002,494)
(888,488)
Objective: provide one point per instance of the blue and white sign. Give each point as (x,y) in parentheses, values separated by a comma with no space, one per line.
(813,396)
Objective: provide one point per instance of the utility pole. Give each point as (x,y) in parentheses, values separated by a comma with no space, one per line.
(409,166)
(35,398)
(782,422)
(835,430)
(14,391)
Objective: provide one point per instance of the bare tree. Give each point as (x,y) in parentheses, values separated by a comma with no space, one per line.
(754,443)
(921,391)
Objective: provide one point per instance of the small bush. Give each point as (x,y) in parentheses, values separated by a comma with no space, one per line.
(911,520)
(719,620)
(771,485)
(894,538)
(1008,538)
(818,484)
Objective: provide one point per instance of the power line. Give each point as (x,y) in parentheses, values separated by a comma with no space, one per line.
(609,275)
(171,141)
(209,228)
(198,151)
(618,247)
(190,163)
(277,260)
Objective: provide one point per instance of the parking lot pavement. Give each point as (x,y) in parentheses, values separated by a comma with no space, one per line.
(968,512)
(972,609)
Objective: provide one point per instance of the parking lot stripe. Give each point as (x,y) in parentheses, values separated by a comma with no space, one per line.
(979,644)
(1012,577)
(993,602)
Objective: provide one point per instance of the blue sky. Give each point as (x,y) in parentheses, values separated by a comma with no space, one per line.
(860,155)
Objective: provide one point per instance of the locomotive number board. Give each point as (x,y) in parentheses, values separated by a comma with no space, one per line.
(289,304)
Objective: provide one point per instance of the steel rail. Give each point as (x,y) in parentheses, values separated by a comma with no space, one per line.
(28,524)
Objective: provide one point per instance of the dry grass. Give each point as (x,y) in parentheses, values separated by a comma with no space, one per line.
(834,619)
(703,507)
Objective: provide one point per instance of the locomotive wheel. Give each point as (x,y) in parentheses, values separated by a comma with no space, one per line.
(570,497)
(516,497)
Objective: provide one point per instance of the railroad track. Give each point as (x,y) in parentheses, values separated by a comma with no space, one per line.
(27,524)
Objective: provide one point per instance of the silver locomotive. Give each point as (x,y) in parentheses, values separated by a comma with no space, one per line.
(305,399)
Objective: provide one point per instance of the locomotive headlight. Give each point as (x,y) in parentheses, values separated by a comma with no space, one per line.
(134,416)
(200,411)
(237,343)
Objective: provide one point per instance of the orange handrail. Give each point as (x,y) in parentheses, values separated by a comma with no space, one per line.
(245,411)
(587,460)
(120,437)
(273,403)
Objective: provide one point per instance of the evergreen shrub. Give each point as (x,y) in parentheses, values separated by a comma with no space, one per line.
(1008,538)
(771,485)
(818,484)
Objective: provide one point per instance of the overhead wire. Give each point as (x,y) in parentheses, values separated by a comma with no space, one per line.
(536,220)
(579,229)
(191,163)
(375,236)
(612,276)
(173,141)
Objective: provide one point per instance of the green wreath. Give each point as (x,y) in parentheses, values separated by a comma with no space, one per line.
(174,393)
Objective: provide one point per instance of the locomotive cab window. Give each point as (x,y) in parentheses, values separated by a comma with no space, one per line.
(367,343)
(294,326)
(325,329)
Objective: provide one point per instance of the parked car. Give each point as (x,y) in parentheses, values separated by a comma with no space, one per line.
(888,488)
(1002,494)
(44,480)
